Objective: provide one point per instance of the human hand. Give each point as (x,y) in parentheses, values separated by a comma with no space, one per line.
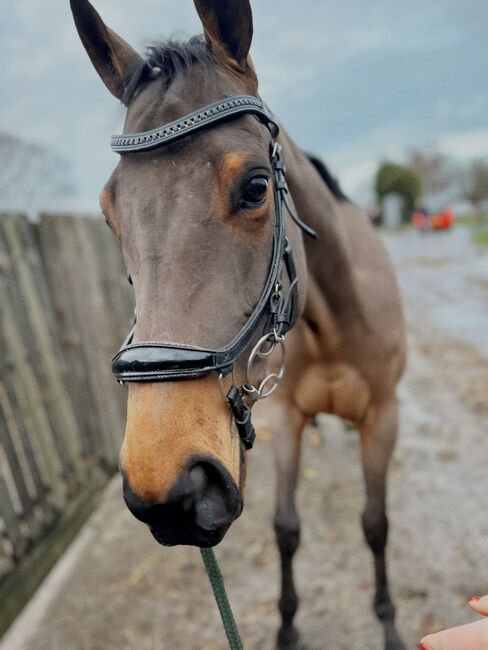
(473,636)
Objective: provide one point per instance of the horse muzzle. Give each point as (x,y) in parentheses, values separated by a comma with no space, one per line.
(197,510)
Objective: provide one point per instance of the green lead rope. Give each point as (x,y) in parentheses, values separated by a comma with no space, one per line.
(217,582)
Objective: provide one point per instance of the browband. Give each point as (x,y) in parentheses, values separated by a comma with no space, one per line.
(192,122)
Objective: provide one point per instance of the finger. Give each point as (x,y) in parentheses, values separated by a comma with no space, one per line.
(473,636)
(479,604)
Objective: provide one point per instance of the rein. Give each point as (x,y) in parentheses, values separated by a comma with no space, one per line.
(217,582)
(275,310)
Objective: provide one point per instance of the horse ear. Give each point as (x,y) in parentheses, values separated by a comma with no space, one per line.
(112,57)
(228,28)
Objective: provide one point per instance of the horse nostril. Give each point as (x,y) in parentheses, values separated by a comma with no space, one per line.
(198,509)
(218,500)
(197,481)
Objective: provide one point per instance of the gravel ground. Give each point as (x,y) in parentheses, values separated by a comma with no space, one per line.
(116,588)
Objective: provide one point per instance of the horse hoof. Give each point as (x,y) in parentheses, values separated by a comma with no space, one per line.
(287,638)
(391,637)
(394,643)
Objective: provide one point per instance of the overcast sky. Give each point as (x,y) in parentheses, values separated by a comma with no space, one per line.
(351,80)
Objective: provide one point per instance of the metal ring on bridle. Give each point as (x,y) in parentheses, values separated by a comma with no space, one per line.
(276,376)
(260,352)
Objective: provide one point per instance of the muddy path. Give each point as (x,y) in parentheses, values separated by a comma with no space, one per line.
(115,588)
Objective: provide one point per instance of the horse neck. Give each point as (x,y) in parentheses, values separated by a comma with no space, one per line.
(329,261)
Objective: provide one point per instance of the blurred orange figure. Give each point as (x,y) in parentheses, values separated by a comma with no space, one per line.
(420,220)
(443,219)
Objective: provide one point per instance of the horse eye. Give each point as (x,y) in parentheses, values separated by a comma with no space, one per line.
(255,192)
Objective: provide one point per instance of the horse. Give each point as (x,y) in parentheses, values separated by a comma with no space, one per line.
(196,222)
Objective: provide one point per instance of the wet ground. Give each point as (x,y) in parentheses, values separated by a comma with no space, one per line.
(116,588)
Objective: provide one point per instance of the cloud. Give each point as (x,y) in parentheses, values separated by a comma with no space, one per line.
(465,144)
(356,168)
(354,82)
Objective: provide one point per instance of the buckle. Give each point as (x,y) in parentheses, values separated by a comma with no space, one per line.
(242,416)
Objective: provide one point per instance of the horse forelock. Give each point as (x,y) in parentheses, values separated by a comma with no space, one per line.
(165,61)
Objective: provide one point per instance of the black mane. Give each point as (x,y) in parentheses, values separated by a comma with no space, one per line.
(331,182)
(165,60)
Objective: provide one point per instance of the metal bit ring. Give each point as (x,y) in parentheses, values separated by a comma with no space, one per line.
(262,350)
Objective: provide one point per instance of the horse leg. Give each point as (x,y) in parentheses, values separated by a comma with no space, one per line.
(287,427)
(378,437)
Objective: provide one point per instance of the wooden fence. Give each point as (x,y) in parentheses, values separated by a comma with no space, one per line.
(65,306)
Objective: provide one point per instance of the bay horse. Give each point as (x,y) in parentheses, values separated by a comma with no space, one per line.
(196,222)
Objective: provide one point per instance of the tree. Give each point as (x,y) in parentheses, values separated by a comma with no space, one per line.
(397,179)
(475,187)
(32,176)
(436,171)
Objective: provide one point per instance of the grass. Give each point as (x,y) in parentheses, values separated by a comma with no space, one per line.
(479,227)
(480,237)
(479,219)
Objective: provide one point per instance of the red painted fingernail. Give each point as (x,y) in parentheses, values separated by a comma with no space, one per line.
(421,646)
(473,598)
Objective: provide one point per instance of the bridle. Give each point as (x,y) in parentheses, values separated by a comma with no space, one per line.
(276,307)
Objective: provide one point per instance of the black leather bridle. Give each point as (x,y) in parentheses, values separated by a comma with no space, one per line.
(276,307)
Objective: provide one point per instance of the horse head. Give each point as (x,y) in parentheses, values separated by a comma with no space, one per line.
(195,221)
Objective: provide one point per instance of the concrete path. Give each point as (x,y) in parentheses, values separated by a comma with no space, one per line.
(117,589)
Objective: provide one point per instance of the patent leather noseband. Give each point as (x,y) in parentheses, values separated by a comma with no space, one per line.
(276,307)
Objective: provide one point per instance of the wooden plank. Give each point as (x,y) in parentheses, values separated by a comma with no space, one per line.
(72,296)
(22,470)
(21,441)
(120,300)
(16,235)
(61,265)
(87,256)
(9,517)
(6,561)
(101,336)
(9,433)
(23,380)
(68,306)
(17,315)
(119,293)
(17,588)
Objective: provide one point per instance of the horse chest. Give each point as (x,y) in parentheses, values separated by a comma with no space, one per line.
(332,388)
